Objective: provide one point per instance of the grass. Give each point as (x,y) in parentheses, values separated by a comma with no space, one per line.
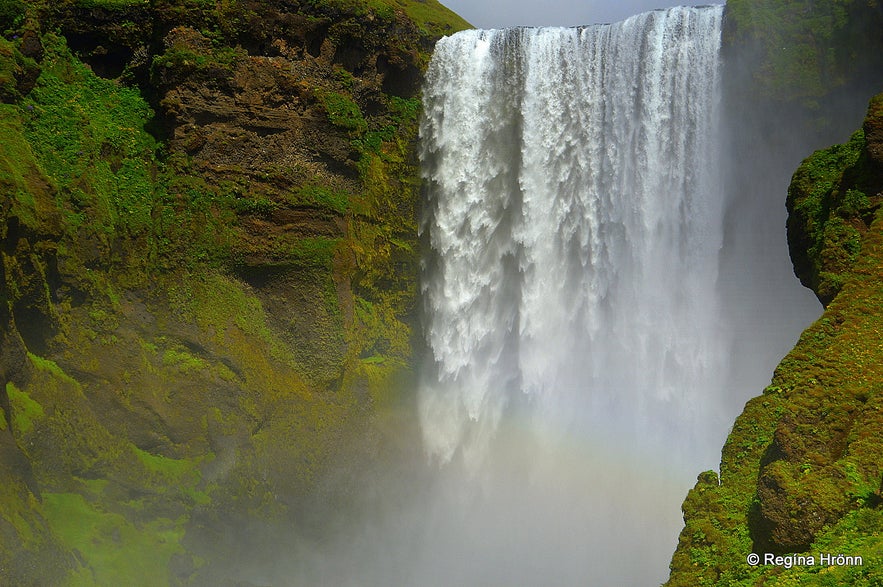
(431,17)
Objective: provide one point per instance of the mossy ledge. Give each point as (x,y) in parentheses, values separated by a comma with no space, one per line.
(801,470)
(208,265)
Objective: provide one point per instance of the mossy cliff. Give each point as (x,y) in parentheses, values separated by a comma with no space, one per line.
(801,470)
(805,61)
(208,260)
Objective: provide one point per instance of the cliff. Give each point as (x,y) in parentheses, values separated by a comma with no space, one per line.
(208,259)
(800,472)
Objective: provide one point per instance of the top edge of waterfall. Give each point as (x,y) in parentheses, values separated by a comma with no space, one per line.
(579,27)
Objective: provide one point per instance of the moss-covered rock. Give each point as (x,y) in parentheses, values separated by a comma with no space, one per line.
(831,202)
(800,472)
(209,262)
(806,52)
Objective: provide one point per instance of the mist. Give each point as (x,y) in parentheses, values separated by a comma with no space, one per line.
(524,478)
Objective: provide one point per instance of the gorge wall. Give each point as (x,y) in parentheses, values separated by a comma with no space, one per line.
(209,282)
(209,268)
(800,469)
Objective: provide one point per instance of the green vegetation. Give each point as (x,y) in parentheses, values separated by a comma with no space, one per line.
(211,65)
(182,360)
(116,551)
(76,123)
(24,410)
(110,4)
(344,113)
(14,69)
(211,287)
(315,251)
(322,197)
(430,16)
(824,214)
(800,472)
(12,13)
(805,49)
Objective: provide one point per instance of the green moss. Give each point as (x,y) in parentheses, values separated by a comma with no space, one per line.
(167,472)
(183,361)
(116,551)
(20,175)
(52,369)
(344,113)
(111,4)
(185,60)
(322,197)
(12,13)
(88,135)
(15,68)
(149,240)
(315,251)
(25,411)
(216,301)
(804,49)
(823,213)
(800,470)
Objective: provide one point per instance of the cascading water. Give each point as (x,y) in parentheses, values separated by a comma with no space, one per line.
(574,225)
(586,303)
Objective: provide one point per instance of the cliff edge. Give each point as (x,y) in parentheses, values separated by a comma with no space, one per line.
(208,268)
(801,472)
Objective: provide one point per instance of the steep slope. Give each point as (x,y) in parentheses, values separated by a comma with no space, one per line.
(801,470)
(208,275)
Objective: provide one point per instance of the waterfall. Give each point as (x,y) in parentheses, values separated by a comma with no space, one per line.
(587,313)
(573,223)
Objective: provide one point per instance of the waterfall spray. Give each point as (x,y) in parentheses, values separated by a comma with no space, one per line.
(575,225)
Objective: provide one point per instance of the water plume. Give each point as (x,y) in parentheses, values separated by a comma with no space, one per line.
(574,220)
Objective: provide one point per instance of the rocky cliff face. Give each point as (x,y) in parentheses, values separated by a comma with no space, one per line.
(208,274)
(801,470)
